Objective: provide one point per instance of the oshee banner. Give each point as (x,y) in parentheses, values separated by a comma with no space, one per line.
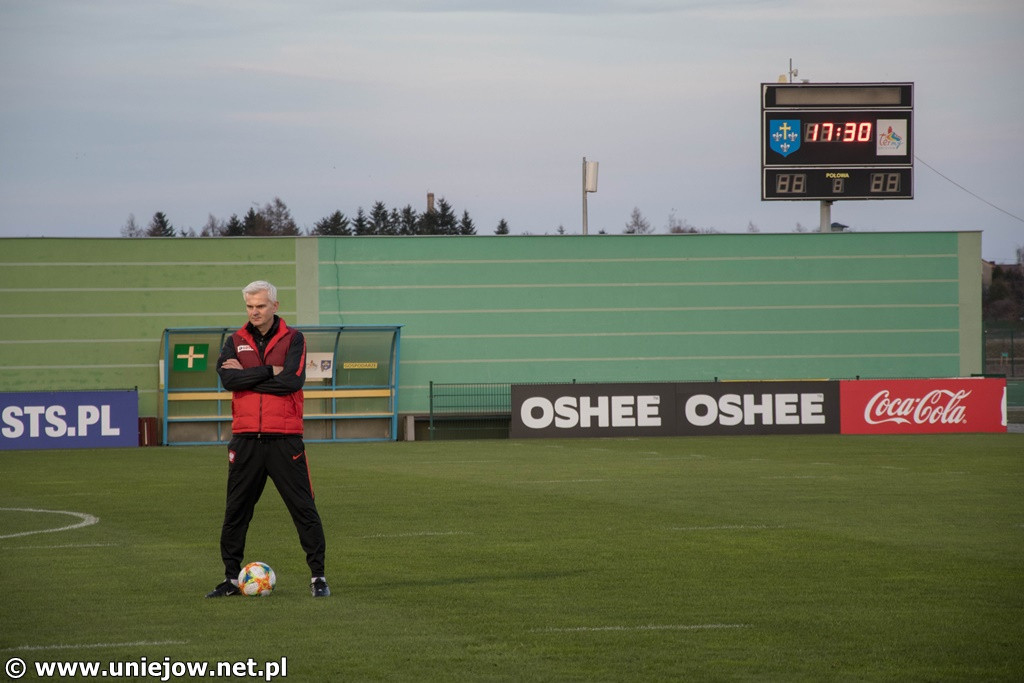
(69,419)
(560,410)
(675,409)
(923,406)
(720,408)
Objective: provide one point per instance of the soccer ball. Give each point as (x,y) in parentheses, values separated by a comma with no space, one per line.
(256,578)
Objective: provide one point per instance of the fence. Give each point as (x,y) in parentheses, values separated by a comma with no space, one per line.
(1004,349)
(470,411)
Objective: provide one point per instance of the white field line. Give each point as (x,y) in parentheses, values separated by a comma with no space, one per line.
(448,462)
(417,534)
(650,627)
(84,520)
(729,527)
(93,646)
(806,476)
(559,481)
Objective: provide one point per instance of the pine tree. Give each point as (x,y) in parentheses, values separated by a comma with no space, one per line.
(408,220)
(394,222)
(335,224)
(255,224)
(361,224)
(502,228)
(466,226)
(428,223)
(380,220)
(447,224)
(160,226)
(234,227)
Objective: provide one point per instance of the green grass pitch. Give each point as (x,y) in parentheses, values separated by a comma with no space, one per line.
(725,559)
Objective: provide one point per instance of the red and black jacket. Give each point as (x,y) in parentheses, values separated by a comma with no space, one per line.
(262,402)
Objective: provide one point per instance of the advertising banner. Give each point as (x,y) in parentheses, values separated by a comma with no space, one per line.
(725,408)
(588,410)
(69,419)
(675,409)
(923,406)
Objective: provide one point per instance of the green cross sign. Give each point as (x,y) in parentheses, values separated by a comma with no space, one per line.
(190,357)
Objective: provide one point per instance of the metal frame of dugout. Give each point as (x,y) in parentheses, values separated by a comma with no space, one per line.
(351,390)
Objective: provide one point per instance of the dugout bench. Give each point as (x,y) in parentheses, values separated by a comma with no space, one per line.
(351,390)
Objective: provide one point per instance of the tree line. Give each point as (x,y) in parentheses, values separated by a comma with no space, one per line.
(274,219)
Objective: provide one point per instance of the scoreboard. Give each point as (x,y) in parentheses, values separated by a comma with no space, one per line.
(829,141)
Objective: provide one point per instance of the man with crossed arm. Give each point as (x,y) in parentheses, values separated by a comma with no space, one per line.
(264,366)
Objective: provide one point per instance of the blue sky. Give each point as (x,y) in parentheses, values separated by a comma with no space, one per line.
(118,107)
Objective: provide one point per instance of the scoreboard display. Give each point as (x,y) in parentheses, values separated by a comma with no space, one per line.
(829,141)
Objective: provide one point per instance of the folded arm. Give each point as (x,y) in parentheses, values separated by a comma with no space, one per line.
(264,379)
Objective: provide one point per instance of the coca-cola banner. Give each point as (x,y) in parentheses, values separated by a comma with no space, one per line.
(923,406)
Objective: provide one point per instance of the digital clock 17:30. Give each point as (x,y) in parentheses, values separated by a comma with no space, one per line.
(837,138)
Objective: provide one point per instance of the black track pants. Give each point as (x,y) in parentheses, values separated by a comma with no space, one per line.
(250,461)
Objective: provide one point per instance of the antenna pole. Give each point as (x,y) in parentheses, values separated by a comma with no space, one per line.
(584,195)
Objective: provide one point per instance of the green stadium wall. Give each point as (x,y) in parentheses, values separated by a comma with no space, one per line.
(86,314)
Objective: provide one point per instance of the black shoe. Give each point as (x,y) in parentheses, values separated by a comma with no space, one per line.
(223,590)
(319,588)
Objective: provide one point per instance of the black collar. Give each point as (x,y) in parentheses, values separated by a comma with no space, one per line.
(258,337)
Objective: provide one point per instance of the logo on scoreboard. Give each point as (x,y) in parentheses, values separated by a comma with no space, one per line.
(892,137)
(784,136)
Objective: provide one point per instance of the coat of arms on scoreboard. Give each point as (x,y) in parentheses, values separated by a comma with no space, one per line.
(784,136)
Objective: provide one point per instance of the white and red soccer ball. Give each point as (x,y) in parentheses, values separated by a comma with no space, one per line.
(256,579)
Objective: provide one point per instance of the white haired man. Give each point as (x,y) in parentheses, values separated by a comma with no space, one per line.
(264,366)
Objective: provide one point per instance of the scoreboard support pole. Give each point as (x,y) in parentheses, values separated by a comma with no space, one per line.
(826,216)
